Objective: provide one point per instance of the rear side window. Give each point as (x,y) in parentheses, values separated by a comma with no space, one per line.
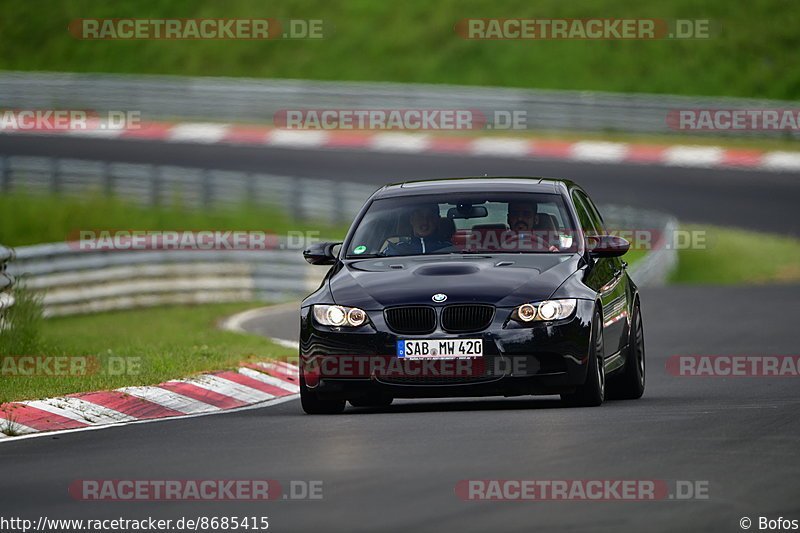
(588,225)
(587,213)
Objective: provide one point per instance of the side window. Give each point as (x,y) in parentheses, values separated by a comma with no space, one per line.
(593,213)
(587,223)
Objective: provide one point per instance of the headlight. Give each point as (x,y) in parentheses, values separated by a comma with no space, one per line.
(337,315)
(544,311)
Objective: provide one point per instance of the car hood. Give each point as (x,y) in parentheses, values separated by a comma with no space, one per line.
(503,280)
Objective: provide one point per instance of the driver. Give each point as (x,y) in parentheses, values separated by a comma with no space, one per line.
(523,219)
(426,239)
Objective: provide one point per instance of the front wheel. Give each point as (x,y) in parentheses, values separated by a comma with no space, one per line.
(314,405)
(629,385)
(592,392)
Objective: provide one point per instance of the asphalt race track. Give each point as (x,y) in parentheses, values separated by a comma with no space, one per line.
(764,201)
(396,469)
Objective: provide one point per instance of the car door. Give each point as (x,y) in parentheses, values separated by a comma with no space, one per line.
(606,277)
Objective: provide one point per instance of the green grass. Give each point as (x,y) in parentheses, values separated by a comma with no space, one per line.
(636,254)
(22,221)
(754,54)
(21,333)
(140,347)
(736,256)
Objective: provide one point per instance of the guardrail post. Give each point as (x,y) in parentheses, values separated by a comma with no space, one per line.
(108,179)
(338,204)
(155,185)
(250,189)
(206,187)
(5,174)
(6,284)
(298,189)
(55,175)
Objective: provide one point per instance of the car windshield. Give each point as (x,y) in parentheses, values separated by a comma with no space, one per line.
(510,222)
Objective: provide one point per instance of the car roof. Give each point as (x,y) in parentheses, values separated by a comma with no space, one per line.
(476,184)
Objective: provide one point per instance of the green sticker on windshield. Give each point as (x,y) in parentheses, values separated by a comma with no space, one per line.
(360,249)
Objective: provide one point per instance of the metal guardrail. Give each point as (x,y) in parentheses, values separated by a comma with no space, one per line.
(76,281)
(6,283)
(655,267)
(257,100)
(321,200)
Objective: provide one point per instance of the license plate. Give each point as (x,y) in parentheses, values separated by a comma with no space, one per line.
(430,348)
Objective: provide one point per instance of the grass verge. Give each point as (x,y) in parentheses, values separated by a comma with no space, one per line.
(22,223)
(753,51)
(735,256)
(139,347)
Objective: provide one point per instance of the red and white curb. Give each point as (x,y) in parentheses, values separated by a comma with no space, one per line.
(202,394)
(417,143)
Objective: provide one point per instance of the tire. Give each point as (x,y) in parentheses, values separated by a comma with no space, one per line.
(592,392)
(372,400)
(313,405)
(629,385)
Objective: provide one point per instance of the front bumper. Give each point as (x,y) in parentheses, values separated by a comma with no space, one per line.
(545,358)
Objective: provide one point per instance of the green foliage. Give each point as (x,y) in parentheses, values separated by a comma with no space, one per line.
(754,53)
(31,218)
(148,346)
(733,256)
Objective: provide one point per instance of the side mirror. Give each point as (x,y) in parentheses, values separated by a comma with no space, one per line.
(321,253)
(606,245)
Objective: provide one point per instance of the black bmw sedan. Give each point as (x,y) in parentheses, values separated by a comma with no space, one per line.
(472,287)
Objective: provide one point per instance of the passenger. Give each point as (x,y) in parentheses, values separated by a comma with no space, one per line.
(426,238)
(524,220)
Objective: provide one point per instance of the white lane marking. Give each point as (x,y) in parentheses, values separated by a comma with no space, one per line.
(268,403)
(80,410)
(229,388)
(235,323)
(500,147)
(270,380)
(279,366)
(781,161)
(399,142)
(298,138)
(693,156)
(169,399)
(288,366)
(285,343)
(15,426)
(56,410)
(199,132)
(599,151)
